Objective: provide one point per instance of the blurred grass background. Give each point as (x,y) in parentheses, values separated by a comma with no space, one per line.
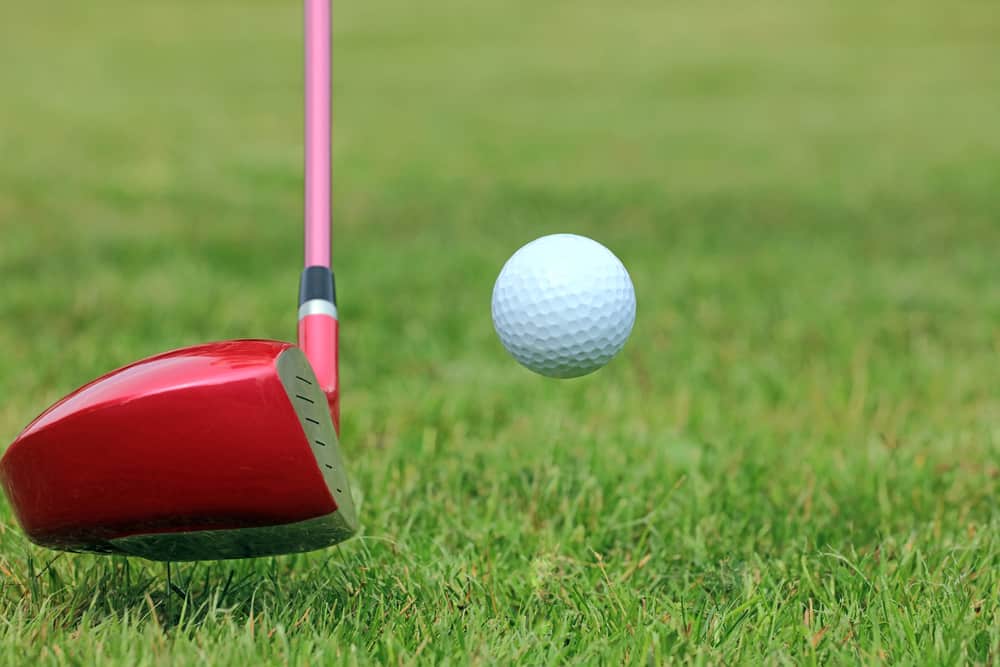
(796,456)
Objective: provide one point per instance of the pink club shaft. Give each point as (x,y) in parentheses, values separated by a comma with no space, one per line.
(317,139)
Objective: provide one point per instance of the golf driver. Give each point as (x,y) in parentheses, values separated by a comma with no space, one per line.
(222,450)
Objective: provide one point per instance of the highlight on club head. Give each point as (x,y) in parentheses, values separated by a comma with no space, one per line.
(224,450)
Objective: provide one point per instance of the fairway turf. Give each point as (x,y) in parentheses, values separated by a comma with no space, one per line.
(794,460)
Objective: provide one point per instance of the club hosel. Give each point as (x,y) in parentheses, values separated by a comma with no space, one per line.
(318,332)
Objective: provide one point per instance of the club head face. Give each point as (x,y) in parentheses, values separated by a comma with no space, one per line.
(224,450)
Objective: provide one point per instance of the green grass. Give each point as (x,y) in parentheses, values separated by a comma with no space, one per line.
(796,457)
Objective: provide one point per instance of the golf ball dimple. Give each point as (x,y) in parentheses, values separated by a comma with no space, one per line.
(563,305)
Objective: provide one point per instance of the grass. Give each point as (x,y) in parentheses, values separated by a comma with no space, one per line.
(795,459)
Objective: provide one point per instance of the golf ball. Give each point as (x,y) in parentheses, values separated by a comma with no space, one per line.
(563,305)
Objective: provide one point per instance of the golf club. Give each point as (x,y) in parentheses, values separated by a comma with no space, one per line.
(223,450)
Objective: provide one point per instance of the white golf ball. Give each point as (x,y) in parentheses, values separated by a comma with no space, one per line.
(563,305)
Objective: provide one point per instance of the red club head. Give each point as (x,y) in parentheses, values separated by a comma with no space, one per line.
(224,450)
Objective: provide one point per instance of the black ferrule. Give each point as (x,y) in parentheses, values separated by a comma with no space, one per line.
(317,283)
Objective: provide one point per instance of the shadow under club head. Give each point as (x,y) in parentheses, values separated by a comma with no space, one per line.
(223,450)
